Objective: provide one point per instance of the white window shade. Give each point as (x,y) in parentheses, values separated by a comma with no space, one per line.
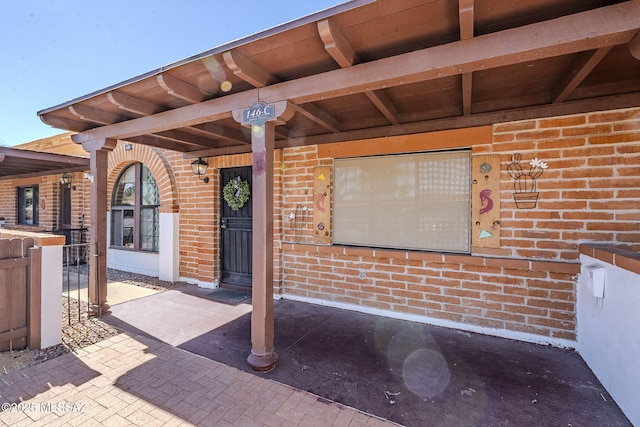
(414,201)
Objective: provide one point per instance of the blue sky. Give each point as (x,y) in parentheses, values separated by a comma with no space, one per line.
(52,51)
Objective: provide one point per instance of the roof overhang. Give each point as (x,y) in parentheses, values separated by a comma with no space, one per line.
(372,69)
(16,163)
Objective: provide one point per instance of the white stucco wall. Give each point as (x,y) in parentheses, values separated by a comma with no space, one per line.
(165,264)
(51,290)
(609,332)
(131,261)
(169,253)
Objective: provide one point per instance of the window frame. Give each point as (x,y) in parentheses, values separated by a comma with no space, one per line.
(21,206)
(134,211)
(346,205)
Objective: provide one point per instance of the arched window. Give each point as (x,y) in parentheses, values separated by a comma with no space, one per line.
(134,210)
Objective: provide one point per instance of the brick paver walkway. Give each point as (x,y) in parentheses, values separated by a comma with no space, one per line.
(133,380)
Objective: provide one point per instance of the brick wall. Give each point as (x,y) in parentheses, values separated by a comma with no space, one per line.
(48,189)
(589,192)
(197,202)
(48,204)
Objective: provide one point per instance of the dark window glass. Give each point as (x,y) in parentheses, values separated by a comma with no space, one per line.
(28,205)
(134,210)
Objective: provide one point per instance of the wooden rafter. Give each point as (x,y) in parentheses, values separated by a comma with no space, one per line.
(187,138)
(63,123)
(318,116)
(342,52)
(594,29)
(570,107)
(180,89)
(466,14)
(580,69)
(216,131)
(94,115)
(336,45)
(591,30)
(258,77)
(132,104)
(634,47)
(222,151)
(160,142)
(467,87)
(247,70)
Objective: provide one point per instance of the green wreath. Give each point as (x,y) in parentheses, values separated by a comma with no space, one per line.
(236,193)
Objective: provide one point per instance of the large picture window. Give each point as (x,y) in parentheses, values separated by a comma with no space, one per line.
(134,210)
(28,205)
(413,201)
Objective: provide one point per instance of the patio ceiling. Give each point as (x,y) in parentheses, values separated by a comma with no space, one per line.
(16,163)
(368,69)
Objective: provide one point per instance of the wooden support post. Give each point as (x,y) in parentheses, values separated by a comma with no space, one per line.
(262,118)
(98,231)
(262,357)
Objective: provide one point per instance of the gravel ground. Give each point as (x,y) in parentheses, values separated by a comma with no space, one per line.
(78,331)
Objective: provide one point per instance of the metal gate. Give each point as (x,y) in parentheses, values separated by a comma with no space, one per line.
(75,283)
(81,325)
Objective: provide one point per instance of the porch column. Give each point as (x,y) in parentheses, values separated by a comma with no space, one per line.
(99,151)
(262,118)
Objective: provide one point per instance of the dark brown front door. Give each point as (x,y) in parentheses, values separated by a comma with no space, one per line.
(235,235)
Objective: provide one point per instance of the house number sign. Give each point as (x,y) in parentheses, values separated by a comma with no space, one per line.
(259,113)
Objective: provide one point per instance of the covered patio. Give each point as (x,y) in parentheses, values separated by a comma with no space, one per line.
(409,373)
(360,70)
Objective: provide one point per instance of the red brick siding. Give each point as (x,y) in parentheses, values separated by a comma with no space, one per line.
(588,193)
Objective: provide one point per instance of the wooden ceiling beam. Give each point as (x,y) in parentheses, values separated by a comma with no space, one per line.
(384,104)
(222,151)
(342,52)
(224,133)
(248,71)
(467,89)
(466,16)
(153,140)
(63,123)
(94,115)
(336,45)
(282,132)
(593,29)
(179,88)
(132,104)
(318,116)
(58,160)
(634,47)
(579,70)
(187,138)
(458,122)
(190,115)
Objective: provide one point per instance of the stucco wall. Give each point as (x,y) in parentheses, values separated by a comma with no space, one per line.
(608,333)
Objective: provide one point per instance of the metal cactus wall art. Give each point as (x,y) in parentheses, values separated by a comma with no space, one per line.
(525,185)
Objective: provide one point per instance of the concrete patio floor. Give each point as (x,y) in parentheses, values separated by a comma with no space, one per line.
(412,374)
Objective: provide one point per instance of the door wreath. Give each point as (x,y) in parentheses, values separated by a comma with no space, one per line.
(236,193)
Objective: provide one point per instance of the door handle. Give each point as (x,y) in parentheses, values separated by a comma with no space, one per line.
(223,224)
